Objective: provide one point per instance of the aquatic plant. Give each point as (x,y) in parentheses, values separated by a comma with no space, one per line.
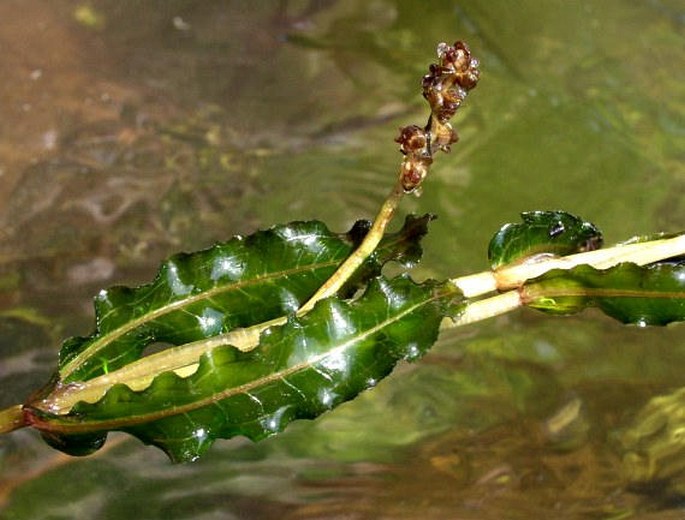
(289,322)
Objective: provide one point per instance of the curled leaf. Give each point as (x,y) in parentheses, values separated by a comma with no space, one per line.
(550,232)
(239,283)
(299,370)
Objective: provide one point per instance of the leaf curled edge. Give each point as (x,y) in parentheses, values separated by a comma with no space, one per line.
(549,232)
(642,295)
(239,283)
(300,370)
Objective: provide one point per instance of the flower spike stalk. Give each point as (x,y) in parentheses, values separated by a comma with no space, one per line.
(445,88)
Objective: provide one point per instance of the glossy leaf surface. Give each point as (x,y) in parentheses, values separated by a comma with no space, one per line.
(649,295)
(553,232)
(239,283)
(300,370)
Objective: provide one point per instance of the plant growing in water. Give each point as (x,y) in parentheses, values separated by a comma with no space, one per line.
(291,321)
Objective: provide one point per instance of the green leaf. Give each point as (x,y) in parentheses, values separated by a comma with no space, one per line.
(553,232)
(300,370)
(642,295)
(239,283)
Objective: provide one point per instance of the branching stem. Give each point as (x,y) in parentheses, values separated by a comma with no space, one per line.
(368,245)
(511,276)
(509,279)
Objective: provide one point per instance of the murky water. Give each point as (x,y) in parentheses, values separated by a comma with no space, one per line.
(132,130)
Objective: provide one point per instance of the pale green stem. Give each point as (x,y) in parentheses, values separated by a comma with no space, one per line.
(487,308)
(12,419)
(184,359)
(138,375)
(368,245)
(512,276)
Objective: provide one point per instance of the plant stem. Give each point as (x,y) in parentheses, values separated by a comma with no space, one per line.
(487,308)
(12,418)
(511,276)
(184,360)
(445,88)
(368,245)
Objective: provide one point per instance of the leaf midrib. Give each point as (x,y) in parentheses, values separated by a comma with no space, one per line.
(130,325)
(65,425)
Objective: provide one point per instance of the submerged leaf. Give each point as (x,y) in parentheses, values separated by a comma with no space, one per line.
(238,283)
(642,295)
(299,370)
(553,232)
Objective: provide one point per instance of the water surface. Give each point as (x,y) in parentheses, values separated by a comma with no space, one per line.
(133,130)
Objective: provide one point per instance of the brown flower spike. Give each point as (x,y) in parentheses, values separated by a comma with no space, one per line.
(445,87)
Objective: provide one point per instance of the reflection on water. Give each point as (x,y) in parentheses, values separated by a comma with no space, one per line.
(133,130)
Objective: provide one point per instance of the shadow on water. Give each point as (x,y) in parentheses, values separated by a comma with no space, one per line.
(134,130)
